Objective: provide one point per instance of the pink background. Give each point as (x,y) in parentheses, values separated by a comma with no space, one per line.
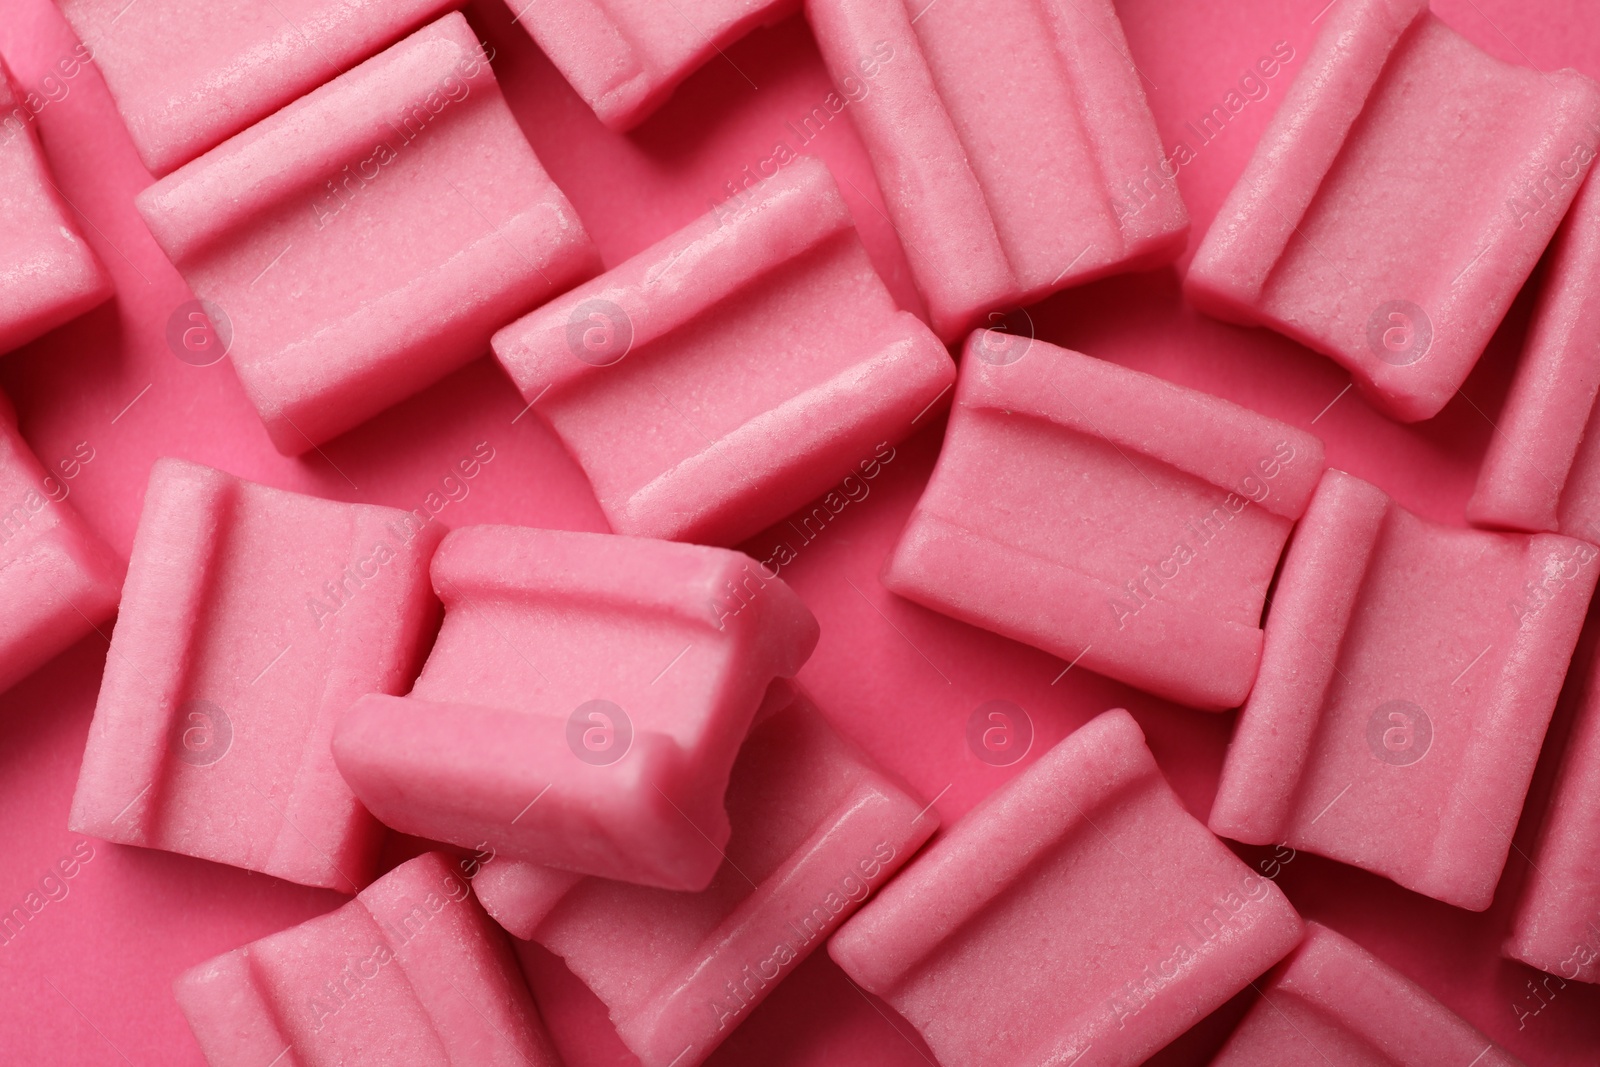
(87,982)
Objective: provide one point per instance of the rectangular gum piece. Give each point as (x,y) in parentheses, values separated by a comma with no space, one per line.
(816,828)
(998,206)
(58,581)
(235,650)
(1402,193)
(48,273)
(1333,1003)
(1108,517)
(1408,667)
(1086,861)
(583,703)
(726,375)
(188,74)
(368,239)
(411,971)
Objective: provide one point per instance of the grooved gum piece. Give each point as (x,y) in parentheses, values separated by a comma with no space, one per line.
(725,376)
(1333,1003)
(367,240)
(1107,517)
(1407,678)
(188,74)
(251,618)
(816,828)
(1403,191)
(48,273)
(58,580)
(1000,204)
(583,702)
(1086,861)
(409,972)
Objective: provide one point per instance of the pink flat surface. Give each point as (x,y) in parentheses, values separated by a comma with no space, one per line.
(87,979)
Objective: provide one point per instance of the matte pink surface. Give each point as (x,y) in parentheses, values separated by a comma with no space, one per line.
(902,683)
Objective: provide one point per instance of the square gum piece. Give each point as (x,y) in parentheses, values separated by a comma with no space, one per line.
(58,581)
(583,703)
(1108,517)
(235,651)
(1333,1003)
(1000,205)
(721,378)
(411,971)
(368,239)
(1401,195)
(188,74)
(816,828)
(1408,667)
(1087,860)
(624,57)
(48,273)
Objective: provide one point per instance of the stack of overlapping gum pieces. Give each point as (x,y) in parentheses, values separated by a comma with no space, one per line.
(608,722)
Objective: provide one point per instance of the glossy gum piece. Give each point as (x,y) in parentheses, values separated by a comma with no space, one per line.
(250,620)
(411,971)
(58,580)
(48,273)
(1086,861)
(495,745)
(1408,667)
(368,239)
(625,57)
(816,828)
(1333,1003)
(1068,487)
(188,74)
(722,378)
(1402,193)
(998,206)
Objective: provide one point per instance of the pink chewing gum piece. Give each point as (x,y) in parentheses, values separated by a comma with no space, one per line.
(409,972)
(1333,1003)
(816,828)
(368,239)
(1088,861)
(583,702)
(1408,667)
(48,273)
(236,649)
(725,376)
(1000,206)
(1108,517)
(1338,238)
(58,581)
(624,57)
(188,74)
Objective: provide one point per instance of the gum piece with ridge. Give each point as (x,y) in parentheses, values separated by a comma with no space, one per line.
(1408,668)
(1340,236)
(725,376)
(251,618)
(1108,517)
(1079,911)
(583,702)
(368,239)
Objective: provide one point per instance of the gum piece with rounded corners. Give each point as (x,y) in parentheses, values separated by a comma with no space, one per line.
(1336,237)
(411,971)
(1113,519)
(999,206)
(583,702)
(1088,862)
(367,240)
(1408,668)
(250,619)
(725,376)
